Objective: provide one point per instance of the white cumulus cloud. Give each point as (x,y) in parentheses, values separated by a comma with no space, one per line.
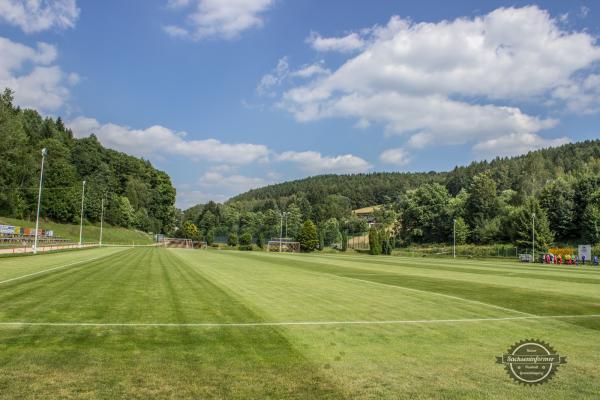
(343,44)
(234,183)
(513,144)
(30,73)
(282,73)
(225,19)
(159,140)
(314,162)
(187,197)
(269,82)
(308,71)
(455,82)
(398,156)
(39,15)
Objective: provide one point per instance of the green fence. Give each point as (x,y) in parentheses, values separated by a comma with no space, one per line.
(482,251)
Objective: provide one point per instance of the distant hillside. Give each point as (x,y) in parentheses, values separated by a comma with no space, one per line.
(136,194)
(525,174)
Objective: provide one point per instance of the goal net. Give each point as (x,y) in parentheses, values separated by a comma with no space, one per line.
(282,245)
(183,243)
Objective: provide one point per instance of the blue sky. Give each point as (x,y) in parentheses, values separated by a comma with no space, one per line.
(226,95)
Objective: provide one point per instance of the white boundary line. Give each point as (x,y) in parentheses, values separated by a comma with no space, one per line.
(289,323)
(55,268)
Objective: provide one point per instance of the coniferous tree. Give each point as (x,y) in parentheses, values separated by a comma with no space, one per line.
(246,241)
(591,224)
(232,239)
(307,236)
(210,237)
(375,245)
(522,225)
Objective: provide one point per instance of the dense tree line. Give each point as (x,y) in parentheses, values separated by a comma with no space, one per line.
(136,194)
(214,221)
(485,202)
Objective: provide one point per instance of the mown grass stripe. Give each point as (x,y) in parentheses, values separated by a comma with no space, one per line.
(535,302)
(288,323)
(221,363)
(56,268)
(514,273)
(464,263)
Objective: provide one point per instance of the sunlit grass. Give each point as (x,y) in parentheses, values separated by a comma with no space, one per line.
(393,360)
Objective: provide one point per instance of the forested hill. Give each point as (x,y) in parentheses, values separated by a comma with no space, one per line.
(526,174)
(136,194)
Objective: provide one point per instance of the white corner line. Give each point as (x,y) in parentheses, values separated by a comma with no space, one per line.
(288,323)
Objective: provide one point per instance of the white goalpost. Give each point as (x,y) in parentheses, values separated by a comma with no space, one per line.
(182,243)
(283,245)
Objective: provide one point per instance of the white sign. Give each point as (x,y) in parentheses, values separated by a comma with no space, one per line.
(585,250)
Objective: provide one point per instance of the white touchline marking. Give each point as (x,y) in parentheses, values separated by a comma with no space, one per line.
(443,295)
(55,268)
(291,323)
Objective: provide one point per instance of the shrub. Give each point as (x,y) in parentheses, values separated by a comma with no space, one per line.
(246,239)
(210,237)
(462,231)
(232,240)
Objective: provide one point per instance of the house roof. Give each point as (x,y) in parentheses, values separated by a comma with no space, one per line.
(365,210)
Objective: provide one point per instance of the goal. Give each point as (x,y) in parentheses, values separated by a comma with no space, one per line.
(183,243)
(283,245)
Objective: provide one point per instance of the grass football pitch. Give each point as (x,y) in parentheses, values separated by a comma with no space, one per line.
(173,323)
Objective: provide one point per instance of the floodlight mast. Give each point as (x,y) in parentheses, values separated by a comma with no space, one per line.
(81,218)
(37,216)
(454,238)
(283,215)
(280,232)
(101,220)
(533,237)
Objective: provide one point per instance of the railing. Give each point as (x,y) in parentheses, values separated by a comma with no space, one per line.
(26,247)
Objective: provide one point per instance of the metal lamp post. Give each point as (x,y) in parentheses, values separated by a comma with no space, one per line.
(283,215)
(37,217)
(81,218)
(101,219)
(454,239)
(280,232)
(533,237)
